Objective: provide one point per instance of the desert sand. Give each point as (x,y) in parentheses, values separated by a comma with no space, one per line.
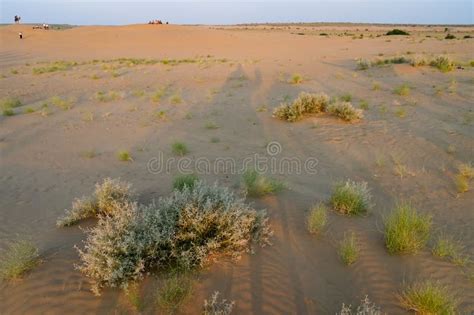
(51,156)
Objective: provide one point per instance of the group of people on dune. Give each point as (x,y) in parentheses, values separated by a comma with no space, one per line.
(17,19)
(156,22)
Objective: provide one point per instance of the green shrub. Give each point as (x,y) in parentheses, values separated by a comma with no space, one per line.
(61,103)
(397,31)
(363,104)
(296,78)
(348,249)
(428,297)
(443,63)
(8,112)
(256,185)
(106,198)
(402,90)
(182,181)
(345,111)
(352,198)
(305,103)
(215,307)
(317,219)
(187,229)
(450,36)
(124,156)
(449,248)
(7,105)
(406,231)
(179,148)
(346,97)
(20,257)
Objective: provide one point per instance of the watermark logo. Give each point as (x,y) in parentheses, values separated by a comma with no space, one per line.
(270,163)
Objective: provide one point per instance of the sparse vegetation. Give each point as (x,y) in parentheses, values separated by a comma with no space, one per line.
(187,230)
(397,31)
(54,67)
(64,104)
(363,64)
(443,63)
(20,257)
(363,104)
(296,78)
(450,36)
(402,90)
(102,96)
(351,198)
(176,99)
(406,231)
(348,249)
(464,176)
(449,248)
(215,307)
(256,185)
(317,219)
(306,103)
(7,105)
(124,156)
(365,308)
(428,297)
(174,291)
(182,181)
(211,125)
(346,97)
(345,111)
(179,148)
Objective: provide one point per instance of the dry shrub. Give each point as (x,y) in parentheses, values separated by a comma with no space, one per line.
(306,103)
(215,307)
(345,111)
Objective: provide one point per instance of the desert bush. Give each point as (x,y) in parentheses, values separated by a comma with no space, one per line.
(397,31)
(305,103)
(104,201)
(363,104)
(7,105)
(365,308)
(176,99)
(466,170)
(182,181)
(64,104)
(187,229)
(352,198)
(402,90)
(102,96)
(450,36)
(419,60)
(20,257)
(406,231)
(256,185)
(348,249)
(363,64)
(215,307)
(346,97)
(296,78)
(317,219)
(443,63)
(179,148)
(345,111)
(124,156)
(428,297)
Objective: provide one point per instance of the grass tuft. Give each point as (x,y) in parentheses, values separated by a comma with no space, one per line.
(443,63)
(317,219)
(449,248)
(179,148)
(182,181)
(348,249)
(345,111)
(351,198)
(406,231)
(296,78)
(124,156)
(428,297)
(402,90)
(20,257)
(256,185)
(173,292)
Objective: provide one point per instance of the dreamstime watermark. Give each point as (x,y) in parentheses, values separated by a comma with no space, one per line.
(270,163)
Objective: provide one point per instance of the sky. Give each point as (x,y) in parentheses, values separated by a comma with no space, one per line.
(108,12)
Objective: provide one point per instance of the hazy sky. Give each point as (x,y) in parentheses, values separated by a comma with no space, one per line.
(231,12)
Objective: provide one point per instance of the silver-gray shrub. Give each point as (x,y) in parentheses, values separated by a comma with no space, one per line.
(185,229)
(305,103)
(215,307)
(365,308)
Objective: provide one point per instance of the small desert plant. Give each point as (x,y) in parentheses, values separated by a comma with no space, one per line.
(29,110)
(428,297)
(345,111)
(296,78)
(215,307)
(352,198)
(348,249)
(124,156)
(363,64)
(256,185)
(8,112)
(20,257)
(462,183)
(176,99)
(317,219)
(365,308)
(376,86)
(7,106)
(179,148)
(211,125)
(397,31)
(159,94)
(449,248)
(132,292)
(466,170)
(406,231)
(305,103)
(102,96)
(363,104)
(182,181)
(419,60)
(107,196)
(402,90)
(401,112)
(443,63)
(346,97)
(215,140)
(64,104)
(465,174)
(174,291)
(450,36)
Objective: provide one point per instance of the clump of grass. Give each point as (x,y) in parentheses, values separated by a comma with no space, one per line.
(346,97)
(348,249)
(363,64)
(19,258)
(215,307)
(174,291)
(64,104)
(215,140)
(107,197)
(176,99)
(317,219)
(365,308)
(450,36)
(54,67)
(402,90)
(182,181)
(466,170)
(159,94)
(138,93)
(351,198)
(90,154)
(305,103)
(363,104)
(345,111)
(257,185)
(397,31)
(449,248)
(296,78)
(188,230)
(102,96)
(211,125)
(406,231)
(29,110)
(419,60)
(7,105)
(95,77)
(464,176)
(179,148)
(428,297)
(401,112)
(376,86)
(443,63)
(132,292)
(124,156)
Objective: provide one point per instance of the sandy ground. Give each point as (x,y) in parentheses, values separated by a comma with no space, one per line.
(44,163)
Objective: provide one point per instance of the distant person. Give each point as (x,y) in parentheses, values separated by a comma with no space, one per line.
(16,19)
(21,35)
